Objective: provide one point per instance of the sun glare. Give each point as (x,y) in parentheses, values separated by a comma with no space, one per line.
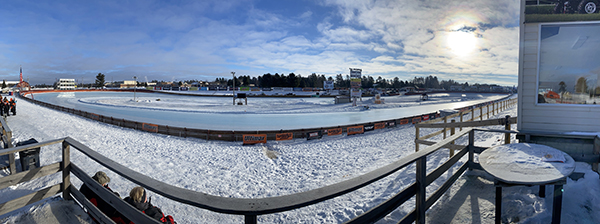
(461,43)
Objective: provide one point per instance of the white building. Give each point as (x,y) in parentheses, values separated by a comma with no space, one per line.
(66,84)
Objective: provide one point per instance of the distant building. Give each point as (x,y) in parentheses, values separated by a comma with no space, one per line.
(66,84)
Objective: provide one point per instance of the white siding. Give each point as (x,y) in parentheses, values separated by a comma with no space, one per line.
(547,117)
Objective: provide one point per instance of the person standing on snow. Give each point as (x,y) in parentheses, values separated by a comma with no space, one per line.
(6,106)
(13,106)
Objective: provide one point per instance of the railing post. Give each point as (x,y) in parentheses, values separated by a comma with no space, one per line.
(11,157)
(471,148)
(452,131)
(66,171)
(416,138)
(250,219)
(472,114)
(481,113)
(421,190)
(445,121)
(488,111)
(461,120)
(507,127)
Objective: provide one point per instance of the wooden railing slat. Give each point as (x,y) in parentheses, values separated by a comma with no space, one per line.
(29,175)
(12,205)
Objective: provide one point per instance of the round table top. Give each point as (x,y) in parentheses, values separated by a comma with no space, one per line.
(526,163)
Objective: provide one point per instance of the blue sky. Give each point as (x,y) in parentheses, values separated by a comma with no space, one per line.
(473,41)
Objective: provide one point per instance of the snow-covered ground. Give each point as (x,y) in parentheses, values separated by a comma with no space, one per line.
(229,169)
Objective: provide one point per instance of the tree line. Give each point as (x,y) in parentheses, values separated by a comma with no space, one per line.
(340,81)
(316,81)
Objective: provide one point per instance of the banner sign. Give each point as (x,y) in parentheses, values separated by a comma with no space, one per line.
(334,131)
(391,124)
(254,139)
(380,125)
(416,120)
(244,88)
(369,127)
(314,135)
(403,121)
(95,116)
(355,130)
(328,85)
(284,136)
(150,127)
(356,93)
(203,88)
(425,117)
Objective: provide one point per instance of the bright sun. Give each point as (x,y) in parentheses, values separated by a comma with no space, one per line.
(461,43)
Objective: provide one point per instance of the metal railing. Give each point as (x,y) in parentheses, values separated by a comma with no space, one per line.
(496,107)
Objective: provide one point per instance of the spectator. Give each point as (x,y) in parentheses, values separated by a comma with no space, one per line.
(102,205)
(139,199)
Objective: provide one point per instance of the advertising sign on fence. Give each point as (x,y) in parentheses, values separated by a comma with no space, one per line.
(380,125)
(352,130)
(403,121)
(416,120)
(369,127)
(391,124)
(95,116)
(255,139)
(284,136)
(314,135)
(334,131)
(150,127)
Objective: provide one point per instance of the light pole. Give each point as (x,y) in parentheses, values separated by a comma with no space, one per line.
(134,87)
(233,81)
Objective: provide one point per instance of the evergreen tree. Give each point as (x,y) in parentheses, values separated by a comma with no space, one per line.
(100,80)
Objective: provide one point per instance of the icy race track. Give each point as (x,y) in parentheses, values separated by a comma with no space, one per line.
(218,113)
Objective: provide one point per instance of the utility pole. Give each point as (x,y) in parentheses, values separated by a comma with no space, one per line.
(233,81)
(134,87)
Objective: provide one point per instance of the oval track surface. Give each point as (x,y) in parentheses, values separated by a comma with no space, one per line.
(218,113)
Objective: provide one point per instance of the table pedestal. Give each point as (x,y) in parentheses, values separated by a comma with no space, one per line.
(556,201)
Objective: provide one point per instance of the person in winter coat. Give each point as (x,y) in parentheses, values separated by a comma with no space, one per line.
(1,107)
(102,205)
(139,199)
(13,106)
(6,106)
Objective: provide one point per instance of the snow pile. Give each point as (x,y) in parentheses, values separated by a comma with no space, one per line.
(229,169)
